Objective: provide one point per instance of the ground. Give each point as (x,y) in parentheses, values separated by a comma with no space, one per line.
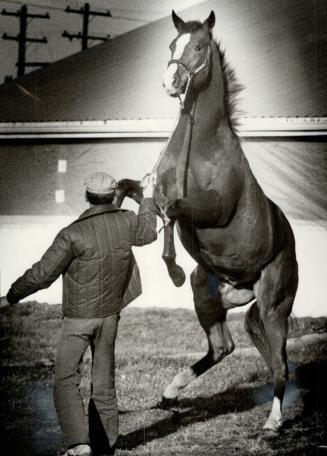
(221,413)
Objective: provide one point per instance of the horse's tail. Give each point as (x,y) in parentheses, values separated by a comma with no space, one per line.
(293,322)
(254,327)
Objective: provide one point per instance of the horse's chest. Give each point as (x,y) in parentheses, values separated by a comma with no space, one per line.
(199,175)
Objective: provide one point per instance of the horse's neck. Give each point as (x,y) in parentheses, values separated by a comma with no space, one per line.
(209,106)
(208,110)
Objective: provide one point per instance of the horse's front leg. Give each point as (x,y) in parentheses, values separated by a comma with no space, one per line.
(169,256)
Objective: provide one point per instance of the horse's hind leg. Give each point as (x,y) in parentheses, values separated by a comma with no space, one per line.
(267,323)
(212,318)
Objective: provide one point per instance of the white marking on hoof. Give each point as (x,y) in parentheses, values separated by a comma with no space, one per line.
(274,421)
(180,381)
(170,392)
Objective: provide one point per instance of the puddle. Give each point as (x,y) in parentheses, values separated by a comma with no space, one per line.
(42,435)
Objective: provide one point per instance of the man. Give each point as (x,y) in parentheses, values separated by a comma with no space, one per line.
(100,277)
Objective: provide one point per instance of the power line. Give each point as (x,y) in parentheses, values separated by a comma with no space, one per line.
(126,18)
(113,14)
(157,12)
(22,39)
(84,36)
(35,5)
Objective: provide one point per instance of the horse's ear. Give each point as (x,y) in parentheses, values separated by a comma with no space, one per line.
(210,21)
(178,22)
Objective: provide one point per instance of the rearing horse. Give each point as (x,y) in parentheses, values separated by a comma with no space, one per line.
(241,240)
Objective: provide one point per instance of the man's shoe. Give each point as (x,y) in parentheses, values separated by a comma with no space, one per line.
(79,450)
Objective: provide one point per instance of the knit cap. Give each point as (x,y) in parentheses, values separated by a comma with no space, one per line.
(100,184)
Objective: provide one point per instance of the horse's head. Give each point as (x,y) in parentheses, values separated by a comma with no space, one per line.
(190,55)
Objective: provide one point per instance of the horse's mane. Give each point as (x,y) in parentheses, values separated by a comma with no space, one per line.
(232,88)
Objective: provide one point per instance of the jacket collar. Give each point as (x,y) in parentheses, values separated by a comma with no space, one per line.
(99,209)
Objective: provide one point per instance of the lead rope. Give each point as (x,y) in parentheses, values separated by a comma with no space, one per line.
(184,159)
(184,156)
(181,101)
(166,220)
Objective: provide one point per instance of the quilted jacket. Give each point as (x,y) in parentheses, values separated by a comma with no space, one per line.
(94,255)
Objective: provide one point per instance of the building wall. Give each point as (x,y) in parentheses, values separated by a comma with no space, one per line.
(30,216)
(31,172)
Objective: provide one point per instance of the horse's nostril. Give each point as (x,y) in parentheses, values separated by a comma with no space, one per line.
(175,81)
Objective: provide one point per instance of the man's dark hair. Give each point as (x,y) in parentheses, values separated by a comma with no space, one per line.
(99,199)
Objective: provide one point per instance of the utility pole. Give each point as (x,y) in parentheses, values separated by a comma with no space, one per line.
(84,36)
(22,39)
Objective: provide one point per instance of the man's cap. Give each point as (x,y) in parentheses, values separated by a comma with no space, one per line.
(100,184)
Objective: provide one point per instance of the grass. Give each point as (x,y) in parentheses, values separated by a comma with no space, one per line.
(221,413)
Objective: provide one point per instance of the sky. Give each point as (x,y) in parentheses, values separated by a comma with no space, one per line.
(126,15)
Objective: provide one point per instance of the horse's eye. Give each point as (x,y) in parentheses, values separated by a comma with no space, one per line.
(198,47)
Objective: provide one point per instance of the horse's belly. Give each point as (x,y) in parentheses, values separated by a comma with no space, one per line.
(241,249)
(232,267)
(217,256)
(234,259)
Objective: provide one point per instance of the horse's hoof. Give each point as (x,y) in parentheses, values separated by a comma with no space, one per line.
(167,404)
(270,434)
(178,276)
(272,429)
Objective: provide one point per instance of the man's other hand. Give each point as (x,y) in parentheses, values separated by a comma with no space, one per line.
(148,184)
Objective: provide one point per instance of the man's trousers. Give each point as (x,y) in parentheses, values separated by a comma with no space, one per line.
(101,430)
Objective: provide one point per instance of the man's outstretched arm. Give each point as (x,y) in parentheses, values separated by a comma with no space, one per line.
(43,273)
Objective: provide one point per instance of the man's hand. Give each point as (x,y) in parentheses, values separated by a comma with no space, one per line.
(148,184)
(3,302)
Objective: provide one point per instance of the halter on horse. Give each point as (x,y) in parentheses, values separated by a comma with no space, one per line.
(242,242)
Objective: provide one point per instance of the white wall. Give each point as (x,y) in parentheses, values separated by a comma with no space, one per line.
(23,243)
(23,239)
